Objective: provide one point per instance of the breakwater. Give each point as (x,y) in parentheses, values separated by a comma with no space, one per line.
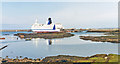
(44,35)
(112,39)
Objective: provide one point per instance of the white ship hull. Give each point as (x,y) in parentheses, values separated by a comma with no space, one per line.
(45,30)
(49,27)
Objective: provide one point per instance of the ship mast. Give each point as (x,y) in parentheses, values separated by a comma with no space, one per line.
(36,20)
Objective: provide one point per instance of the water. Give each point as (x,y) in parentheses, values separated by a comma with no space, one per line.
(15,26)
(37,48)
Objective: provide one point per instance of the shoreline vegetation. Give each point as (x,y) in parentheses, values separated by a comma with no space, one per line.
(66,58)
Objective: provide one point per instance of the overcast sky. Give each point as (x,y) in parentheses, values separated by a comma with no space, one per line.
(70,14)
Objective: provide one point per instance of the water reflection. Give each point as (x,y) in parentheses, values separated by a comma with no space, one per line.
(35,41)
(49,42)
(41,48)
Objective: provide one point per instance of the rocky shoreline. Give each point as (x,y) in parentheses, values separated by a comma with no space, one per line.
(112,39)
(66,58)
(111,36)
(102,30)
(44,35)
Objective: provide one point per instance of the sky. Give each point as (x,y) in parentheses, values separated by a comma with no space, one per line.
(60,0)
(70,14)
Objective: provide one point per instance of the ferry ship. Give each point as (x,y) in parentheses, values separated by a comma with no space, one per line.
(45,28)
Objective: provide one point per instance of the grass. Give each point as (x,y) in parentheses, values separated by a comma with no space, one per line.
(98,59)
(94,58)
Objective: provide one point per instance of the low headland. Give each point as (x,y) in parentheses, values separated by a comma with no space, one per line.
(110,36)
(44,35)
(66,58)
(112,39)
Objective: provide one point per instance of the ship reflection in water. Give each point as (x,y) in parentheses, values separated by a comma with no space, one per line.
(49,42)
(35,41)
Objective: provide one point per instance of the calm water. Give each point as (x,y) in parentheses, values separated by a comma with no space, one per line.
(65,46)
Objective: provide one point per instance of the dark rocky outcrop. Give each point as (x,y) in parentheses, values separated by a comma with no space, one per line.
(112,39)
(44,35)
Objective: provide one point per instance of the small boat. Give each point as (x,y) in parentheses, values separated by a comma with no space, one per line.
(2,38)
(28,39)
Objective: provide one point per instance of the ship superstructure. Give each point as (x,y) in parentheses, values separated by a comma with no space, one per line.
(48,27)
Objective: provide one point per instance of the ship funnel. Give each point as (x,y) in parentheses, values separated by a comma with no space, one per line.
(49,21)
(54,27)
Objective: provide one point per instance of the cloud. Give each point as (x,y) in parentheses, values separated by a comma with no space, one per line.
(71,15)
(87,16)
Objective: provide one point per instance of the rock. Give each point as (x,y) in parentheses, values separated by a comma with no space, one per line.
(44,35)
(112,39)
